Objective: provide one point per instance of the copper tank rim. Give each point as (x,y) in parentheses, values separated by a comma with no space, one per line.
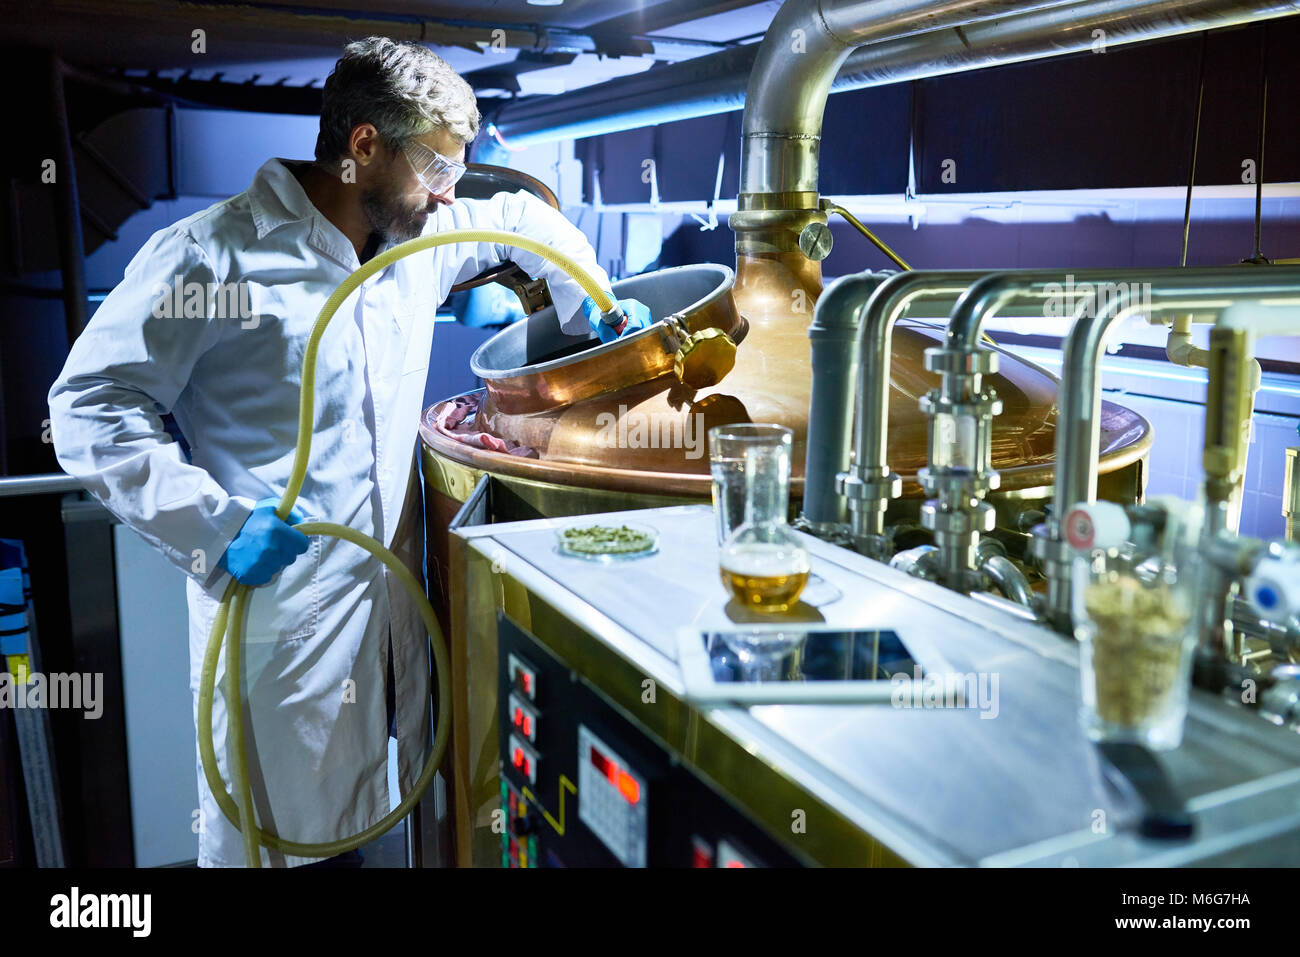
(699,484)
(726,280)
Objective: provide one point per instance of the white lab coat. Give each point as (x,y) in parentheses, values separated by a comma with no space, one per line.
(317,642)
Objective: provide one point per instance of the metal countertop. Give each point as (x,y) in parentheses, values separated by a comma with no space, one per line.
(938,785)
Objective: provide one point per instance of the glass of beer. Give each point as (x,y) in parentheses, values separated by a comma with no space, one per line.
(761,561)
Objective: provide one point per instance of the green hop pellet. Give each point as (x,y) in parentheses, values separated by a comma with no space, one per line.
(606,540)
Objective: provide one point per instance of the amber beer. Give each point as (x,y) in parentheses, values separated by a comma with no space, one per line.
(765,577)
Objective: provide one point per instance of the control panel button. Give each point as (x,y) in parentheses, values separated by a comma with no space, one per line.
(523,758)
(523,717)
(522,677)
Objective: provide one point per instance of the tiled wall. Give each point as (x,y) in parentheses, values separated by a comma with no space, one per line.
(1172,399)
(1176,458)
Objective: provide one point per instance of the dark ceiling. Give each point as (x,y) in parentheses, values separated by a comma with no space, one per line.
(292,42)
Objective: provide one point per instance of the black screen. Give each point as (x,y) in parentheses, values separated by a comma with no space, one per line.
(856,655)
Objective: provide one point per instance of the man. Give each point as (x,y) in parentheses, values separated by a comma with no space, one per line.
(395,121)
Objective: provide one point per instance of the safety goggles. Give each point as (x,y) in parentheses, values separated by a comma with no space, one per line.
(435,172)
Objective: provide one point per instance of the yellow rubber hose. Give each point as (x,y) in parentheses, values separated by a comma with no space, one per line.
(231,613)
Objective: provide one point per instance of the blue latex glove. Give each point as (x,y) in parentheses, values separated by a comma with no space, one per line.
(265,545)
(638,317)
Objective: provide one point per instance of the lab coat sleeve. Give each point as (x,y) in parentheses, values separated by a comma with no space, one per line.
(524,213)
(126,369)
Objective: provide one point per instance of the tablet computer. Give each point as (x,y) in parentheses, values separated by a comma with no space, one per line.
(814,664)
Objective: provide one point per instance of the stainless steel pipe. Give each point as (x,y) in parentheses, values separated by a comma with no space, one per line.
(870,485)
(835,352)
(1079,411)
(1001,572)
(717,83)
(867,305)
(809,42)
(804,47)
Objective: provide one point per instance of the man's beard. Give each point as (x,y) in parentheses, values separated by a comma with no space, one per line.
(390,214)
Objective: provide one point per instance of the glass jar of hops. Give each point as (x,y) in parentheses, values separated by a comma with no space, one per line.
(1134,617)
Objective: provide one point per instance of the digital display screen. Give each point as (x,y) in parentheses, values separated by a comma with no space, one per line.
(854,655)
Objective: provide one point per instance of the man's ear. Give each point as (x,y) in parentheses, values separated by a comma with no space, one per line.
(364,144)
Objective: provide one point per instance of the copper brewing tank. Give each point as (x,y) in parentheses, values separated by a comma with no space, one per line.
(598,416)
(586,409)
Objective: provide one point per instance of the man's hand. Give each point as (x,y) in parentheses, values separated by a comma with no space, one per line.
(637,313)
(265,546)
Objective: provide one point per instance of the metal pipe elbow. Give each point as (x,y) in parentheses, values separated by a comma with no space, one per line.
(1181,352)
(920,562)
(1003,574)
(983,297)
(875,332)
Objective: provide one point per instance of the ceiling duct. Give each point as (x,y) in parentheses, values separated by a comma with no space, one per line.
(922,40)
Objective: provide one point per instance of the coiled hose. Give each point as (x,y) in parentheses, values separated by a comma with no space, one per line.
(232,612)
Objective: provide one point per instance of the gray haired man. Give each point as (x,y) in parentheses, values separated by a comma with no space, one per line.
(335,653)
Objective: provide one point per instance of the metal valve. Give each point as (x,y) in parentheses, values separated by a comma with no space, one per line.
(703,358)
(1273,587)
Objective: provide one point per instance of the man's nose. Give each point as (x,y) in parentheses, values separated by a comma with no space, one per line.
(446,198)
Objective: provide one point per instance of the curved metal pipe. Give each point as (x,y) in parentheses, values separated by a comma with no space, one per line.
(810,41)
(871,485)
(1008,579)
(1037,34)
(919,562)
(835,351)
(1079,409)
(717,83)
(804,47)
(1112,289)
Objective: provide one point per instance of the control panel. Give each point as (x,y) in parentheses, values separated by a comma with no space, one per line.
(614,799)
(583,785)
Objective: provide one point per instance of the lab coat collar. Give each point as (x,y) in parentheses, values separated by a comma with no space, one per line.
(276,198)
